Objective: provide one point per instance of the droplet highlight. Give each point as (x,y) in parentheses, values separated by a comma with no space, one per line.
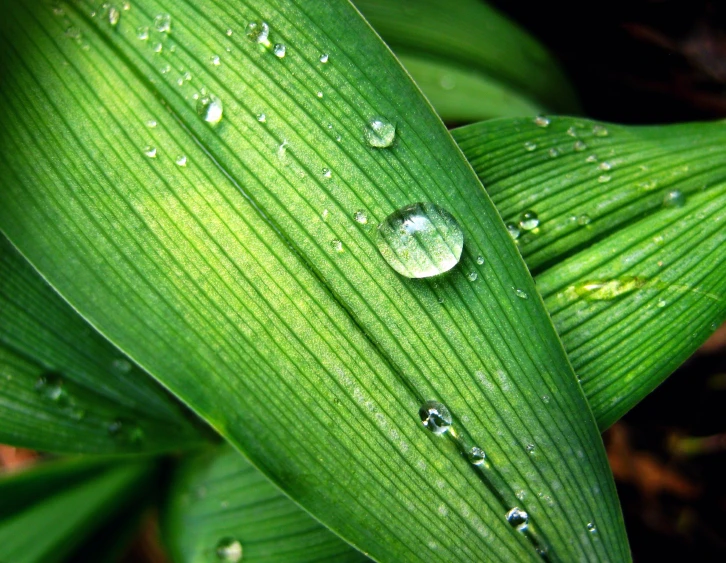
(517,518)
(435,417)
(529,220)
(209,108)
(279,50)
(229,550)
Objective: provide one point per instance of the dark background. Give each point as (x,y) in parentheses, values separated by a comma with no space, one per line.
(647,62)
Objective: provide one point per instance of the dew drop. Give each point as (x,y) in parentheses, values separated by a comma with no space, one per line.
(591,158)
(604,290)
(158,48)
(181,160)
(541,121)
(661,302)
(477,456)
(480,260)
(215,60)
(674,198)
(591,528)
(521,293)
(279,50)
(605,178)
(121,365)
(113,15)
(360,217)
(513,230)
(324,214)
(435,417)
(517,518)
(319,94)
(579,146)
(228,33)
(472,276)
(209,108)
(583,220)
(229,550)
(126,431)
(530,449)
(420,240)
(327,173)
(324,58)
(261,117)
(380,133)
(605,166)
(151,123)
(162,23)
(258,32)
(142,33)
(529,220)
(336,245)
(553,152)
(571,131)
(600,131)
(150,151)
(50,387)
(530,146)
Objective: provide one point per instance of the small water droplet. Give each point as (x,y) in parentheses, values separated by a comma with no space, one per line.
(121,365)
(513,230)
(50,387)
(480,260)
(229,550)
(73,32)
(158,48)
(166,68)
(151,123)
(604,178)
(126,431)
(435,417)
(530,146)
(209,108)
(113,15)
(571,131)
(661,302)
(603,290)
(279,50)
(261,117)
(591,527)
(215,60)
(142,33)
(258,32)
(553,152)
(521,293)
(648,185)
(583,220)
(530,448)
(579,146)
(324,58)
(529,220)
(327,173)
(58,11)
(546,399)
(380,133)
(325,214)
(591,158)
(420,240)
(150,151)
(517,518)
(336,245)
(472,276)
(282,150)
(360,217)
(541,121)
(181,160)
(605,166)
(674,198)
(228,33)
(162,23)
(600,131)
(477,456)
(319,94)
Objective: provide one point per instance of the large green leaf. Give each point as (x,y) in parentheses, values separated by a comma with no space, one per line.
(248,281)
(630,252)
(63,388)
(218,501)
(79,497)
(470,38)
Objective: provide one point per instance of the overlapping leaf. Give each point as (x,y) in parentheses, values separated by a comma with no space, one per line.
(630,250)
(238,265)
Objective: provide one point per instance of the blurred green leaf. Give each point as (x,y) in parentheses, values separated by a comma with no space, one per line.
(630,251)
(64,388)
(217,499)
(238,265)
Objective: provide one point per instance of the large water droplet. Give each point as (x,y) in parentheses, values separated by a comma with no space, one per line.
(229,549)
(209,107)
(421,240)
(517,518)
(674,198)
(258,32)
(380,133)
(435,416)
(529,220)
(609,289)
(279,50)
(541,121)
(477,456)
(162,23)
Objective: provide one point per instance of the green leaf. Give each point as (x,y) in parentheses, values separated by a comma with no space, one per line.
(249,282)
(634,281)
(64,388)
(217,498)
(476,38)
(48,529)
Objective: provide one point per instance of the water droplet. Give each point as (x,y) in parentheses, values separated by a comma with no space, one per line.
(605,166)
(583,220)
(380,133)
(113,15)
(661,302)
(541,121)
(150,151)
(327,173)
(435,416)
(58,11)
(126,431)
(166,68)
(420,240)
(530,146)
(73,33)
(546,399)
(151,123)
(591,527)
(553,152)
(336,245)
(579,146)
(229,549)
(472,276)
(477,456)
(517,518)
(142,33)
(279,50)
(181,160)
(158,48)
(282,150)
(648,185)
(591,158)
(600,131)
(121,365)
(50,387)
(521,293)
(674,198)
(324,58)
(571,131)
(215,60)
(162,23)
(529,220)
(513,230)
(609,289)
(228,33)
(530,448)
(261,117)
(360,217)
(258,32)
(325,214)
(319,94)
(480,260)
(604,178)
(209,107)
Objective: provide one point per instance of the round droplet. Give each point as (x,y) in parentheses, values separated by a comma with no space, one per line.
(530,448)
(541,121)
(674,198)
(360,217)
(661,303)
(327,173)
(591,527)
(336,245)
(583,220)
(150,151)
(114,15)
(181,160)
(258,32)
(553,152)
(472,276)
(158,48)
(50,387)
(121,365)
(215,60)
(579,146)
(228,33)
(480,260)
(513,230)
(209,107)
(477,456)
(162,23)
(605,166)
(529,220)
(571,131)
(151,123)
(517,518)
(420,240)
(435,417)
(142,33)
(600,131)
(591,158)
(229,549)
(530,146)
(380,133)
(324,58)
(279,50)
(604,178)
(521,294)
(319,94)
